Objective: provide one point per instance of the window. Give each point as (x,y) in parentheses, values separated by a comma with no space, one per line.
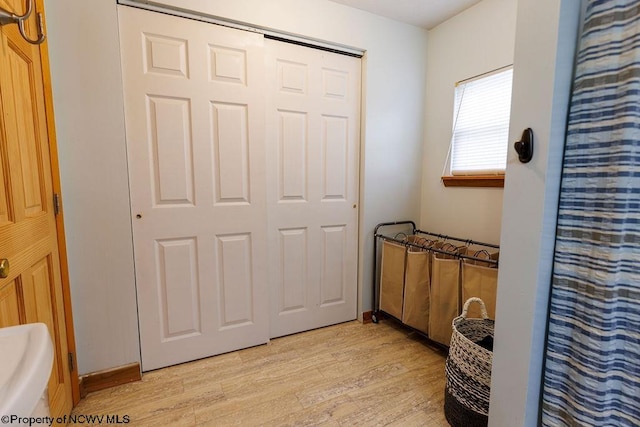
(481,124)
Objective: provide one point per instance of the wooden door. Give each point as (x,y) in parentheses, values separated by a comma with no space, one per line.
(313,142)
(194,109)
(32,292)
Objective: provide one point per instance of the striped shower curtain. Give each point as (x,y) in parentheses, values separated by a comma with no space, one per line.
(592,366)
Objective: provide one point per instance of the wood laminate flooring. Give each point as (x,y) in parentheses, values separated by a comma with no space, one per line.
(344,375)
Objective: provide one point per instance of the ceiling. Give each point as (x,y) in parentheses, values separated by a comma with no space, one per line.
(422,13)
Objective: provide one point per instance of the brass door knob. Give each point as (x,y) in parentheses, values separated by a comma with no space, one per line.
(4,268)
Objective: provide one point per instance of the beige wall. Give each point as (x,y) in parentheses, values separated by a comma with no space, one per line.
(87,96)
(475,41)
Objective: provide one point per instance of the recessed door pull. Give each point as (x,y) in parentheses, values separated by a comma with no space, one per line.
(524,147)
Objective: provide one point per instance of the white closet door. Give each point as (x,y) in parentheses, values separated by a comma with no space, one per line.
(313,128)
(195,113)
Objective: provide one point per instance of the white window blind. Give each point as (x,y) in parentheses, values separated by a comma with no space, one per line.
(481,124)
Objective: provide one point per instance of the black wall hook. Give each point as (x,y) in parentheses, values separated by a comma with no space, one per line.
(524,147)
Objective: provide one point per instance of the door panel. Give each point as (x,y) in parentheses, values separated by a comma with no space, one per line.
(195,124)
(292,151)
(178,287)
(26,127)
(332,279)
(313,119)
(234,276)
(171,144)
(9,305)
(38,300)
(33,290)
(335,144)
(293,253)
(230,152)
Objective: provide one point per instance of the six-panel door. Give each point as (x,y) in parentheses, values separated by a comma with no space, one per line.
(195,125)
(313,136)
(32,290)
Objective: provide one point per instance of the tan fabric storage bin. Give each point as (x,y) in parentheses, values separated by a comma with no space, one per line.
(445,295)
(417,284)
(392,278)
(480,279)
(416,290)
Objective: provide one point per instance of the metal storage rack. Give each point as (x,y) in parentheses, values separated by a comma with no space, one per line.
(410,226)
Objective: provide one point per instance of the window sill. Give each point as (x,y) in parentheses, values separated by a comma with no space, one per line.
(473,181)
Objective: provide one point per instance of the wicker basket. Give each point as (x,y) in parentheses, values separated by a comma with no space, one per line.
(468,370)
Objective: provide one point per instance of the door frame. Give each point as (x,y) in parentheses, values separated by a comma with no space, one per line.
(545,45)
(57,189)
